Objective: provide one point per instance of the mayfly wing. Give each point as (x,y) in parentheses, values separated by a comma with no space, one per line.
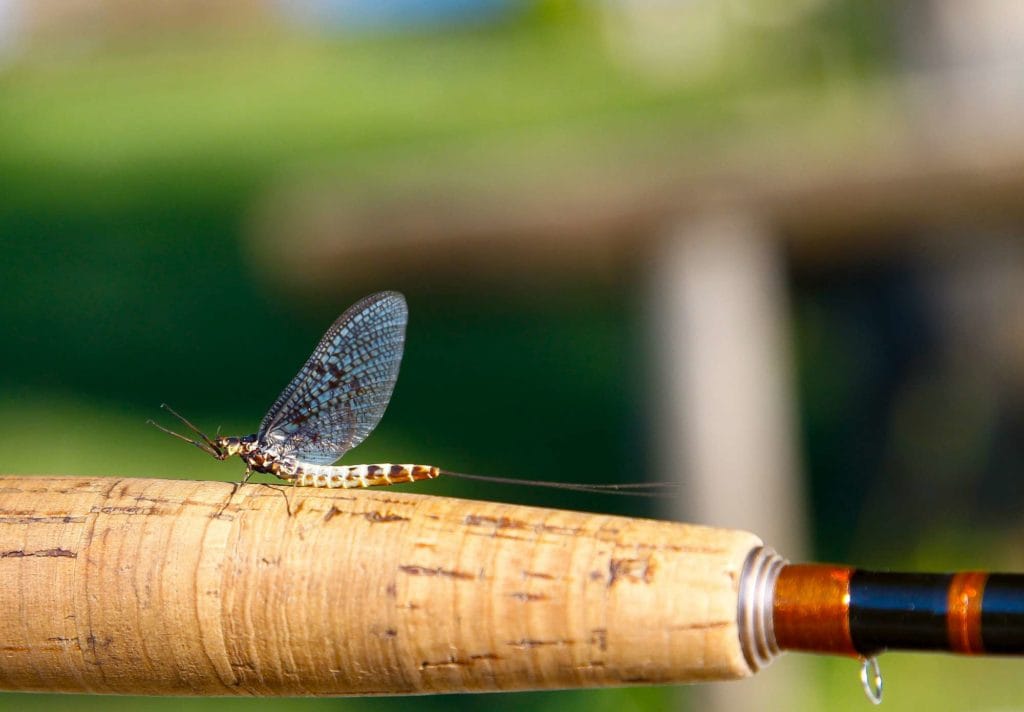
(339,395)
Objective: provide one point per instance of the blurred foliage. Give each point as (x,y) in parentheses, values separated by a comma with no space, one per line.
(617,700)
(129,175)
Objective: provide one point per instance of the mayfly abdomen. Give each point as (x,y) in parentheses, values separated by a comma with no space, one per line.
(348,476)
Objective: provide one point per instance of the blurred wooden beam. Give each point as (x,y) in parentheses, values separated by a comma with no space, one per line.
(592,216)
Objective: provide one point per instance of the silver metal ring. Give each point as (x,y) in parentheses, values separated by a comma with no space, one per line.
(754,607)
(871,679)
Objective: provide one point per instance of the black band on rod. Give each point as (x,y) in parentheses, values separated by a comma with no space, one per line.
(898,611)
(1002,614)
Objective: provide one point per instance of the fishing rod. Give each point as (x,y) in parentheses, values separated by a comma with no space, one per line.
(842,610)
(177,587)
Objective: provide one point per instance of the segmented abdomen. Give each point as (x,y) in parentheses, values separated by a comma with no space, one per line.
(347,476)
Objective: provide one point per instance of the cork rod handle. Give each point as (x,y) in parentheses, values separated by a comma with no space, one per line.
(204,588)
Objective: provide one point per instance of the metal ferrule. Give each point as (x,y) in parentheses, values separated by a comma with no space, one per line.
(755,606)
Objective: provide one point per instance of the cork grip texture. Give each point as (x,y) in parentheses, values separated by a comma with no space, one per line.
(204,588)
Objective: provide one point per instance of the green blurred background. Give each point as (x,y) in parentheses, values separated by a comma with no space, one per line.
(146,154)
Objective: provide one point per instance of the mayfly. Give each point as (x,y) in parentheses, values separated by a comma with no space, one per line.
(334,402)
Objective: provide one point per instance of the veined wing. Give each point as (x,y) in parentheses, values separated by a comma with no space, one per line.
(339,395)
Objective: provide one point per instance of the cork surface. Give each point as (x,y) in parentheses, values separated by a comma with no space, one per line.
(203,588)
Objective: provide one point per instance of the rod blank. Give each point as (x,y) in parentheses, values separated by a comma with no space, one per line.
(825,608)
(205,588)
